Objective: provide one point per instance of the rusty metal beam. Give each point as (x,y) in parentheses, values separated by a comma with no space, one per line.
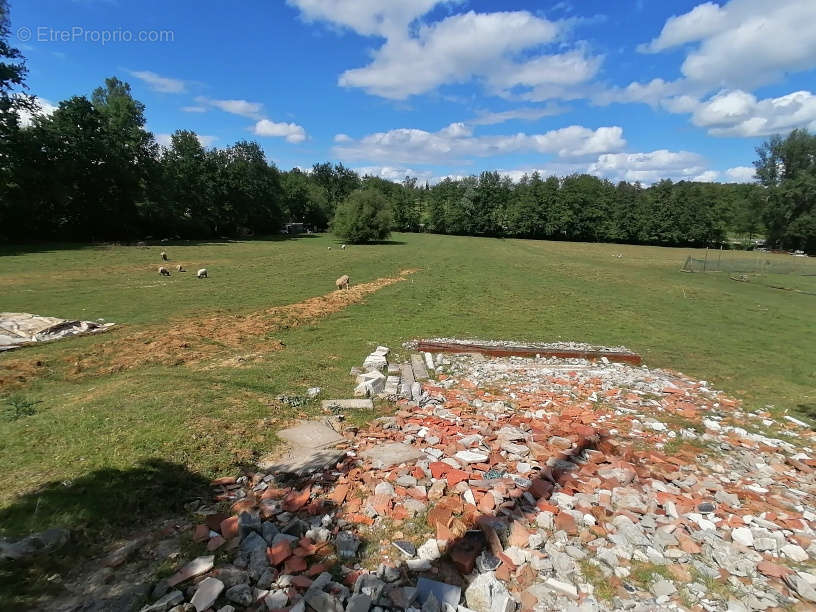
(527,351)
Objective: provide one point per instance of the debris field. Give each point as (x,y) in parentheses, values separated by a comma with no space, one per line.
(510,483)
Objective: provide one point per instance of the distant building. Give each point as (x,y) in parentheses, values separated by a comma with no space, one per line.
(294,228)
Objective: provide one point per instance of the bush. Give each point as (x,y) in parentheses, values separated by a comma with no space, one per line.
(364,216)
(18,407)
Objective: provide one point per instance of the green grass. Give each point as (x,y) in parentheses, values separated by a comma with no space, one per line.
(603,590)
(753,342)
(644,574)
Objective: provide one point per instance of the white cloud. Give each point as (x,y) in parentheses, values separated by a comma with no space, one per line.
(419,57)
(739,113)
(545,170)
(159,83)
(244,108)
(522,114)
(366,17)
(651,93)
(702,21)
(165,139)
(741,174)
(547,76)
(292,132)
(744,43)
(395,173)
(45,109)
(194,109)
(708,176)
(456,143)
(650,167)
(342,138)
(206,140)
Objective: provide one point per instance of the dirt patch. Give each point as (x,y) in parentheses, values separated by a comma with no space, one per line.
(191,341)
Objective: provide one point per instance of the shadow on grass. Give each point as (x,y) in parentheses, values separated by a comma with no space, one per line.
(97,506)
(807,410)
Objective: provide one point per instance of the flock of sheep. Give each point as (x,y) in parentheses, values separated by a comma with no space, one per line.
(202,273)
(341,283)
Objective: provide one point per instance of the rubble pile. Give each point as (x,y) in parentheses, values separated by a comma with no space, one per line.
(523,484)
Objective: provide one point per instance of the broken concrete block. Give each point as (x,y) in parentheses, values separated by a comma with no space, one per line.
(311,435)
(444,593)
(388,455)
(347,404)
(207,592)
(407,375)
(420,373)
(391,385)
(375,362)
(370,384)
(484,591)
(196,567)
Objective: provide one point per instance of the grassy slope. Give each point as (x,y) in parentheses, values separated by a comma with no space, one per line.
(752,341)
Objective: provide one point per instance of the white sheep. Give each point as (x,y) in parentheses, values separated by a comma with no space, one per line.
(330,248)
(343,282)
(202,273)
(343,246)
(179,268)
(163,271)
(164,256)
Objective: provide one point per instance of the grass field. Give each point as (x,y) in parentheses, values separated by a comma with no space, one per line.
(123,422)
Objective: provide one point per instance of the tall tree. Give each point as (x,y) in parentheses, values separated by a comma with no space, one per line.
(787,168)
(304,201)
(129,159)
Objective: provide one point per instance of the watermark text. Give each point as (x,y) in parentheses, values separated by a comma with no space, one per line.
(48,34)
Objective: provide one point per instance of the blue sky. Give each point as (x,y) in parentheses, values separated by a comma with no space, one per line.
(633,90)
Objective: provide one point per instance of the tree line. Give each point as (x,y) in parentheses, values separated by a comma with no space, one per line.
(90,171)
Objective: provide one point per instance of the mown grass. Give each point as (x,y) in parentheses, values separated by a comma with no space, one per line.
(753,342)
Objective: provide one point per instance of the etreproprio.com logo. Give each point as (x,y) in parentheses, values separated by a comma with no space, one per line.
(47,34)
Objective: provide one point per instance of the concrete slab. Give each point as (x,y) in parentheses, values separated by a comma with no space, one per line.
(407,376)
(347,404)
(444,593)
(418,365)
(393,453)
(303,461)
(310,435)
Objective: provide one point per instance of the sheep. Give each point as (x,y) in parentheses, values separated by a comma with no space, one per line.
(163,271)
(343,282)
(164,256)
(202,273)
(330,248)
(179,268)
(343,246)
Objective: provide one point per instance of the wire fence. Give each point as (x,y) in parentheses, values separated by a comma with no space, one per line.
(776,270)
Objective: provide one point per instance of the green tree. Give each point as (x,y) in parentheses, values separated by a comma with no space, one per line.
(182,199)
(130,157)
(337,181)
(364,216)
(787,168)
(13,100)
(13,95)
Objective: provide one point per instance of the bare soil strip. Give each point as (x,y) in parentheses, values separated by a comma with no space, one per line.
(193,340)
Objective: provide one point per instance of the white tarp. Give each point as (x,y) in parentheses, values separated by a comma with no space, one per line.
(20,328)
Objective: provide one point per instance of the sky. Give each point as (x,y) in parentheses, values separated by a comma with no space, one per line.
(635,90)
